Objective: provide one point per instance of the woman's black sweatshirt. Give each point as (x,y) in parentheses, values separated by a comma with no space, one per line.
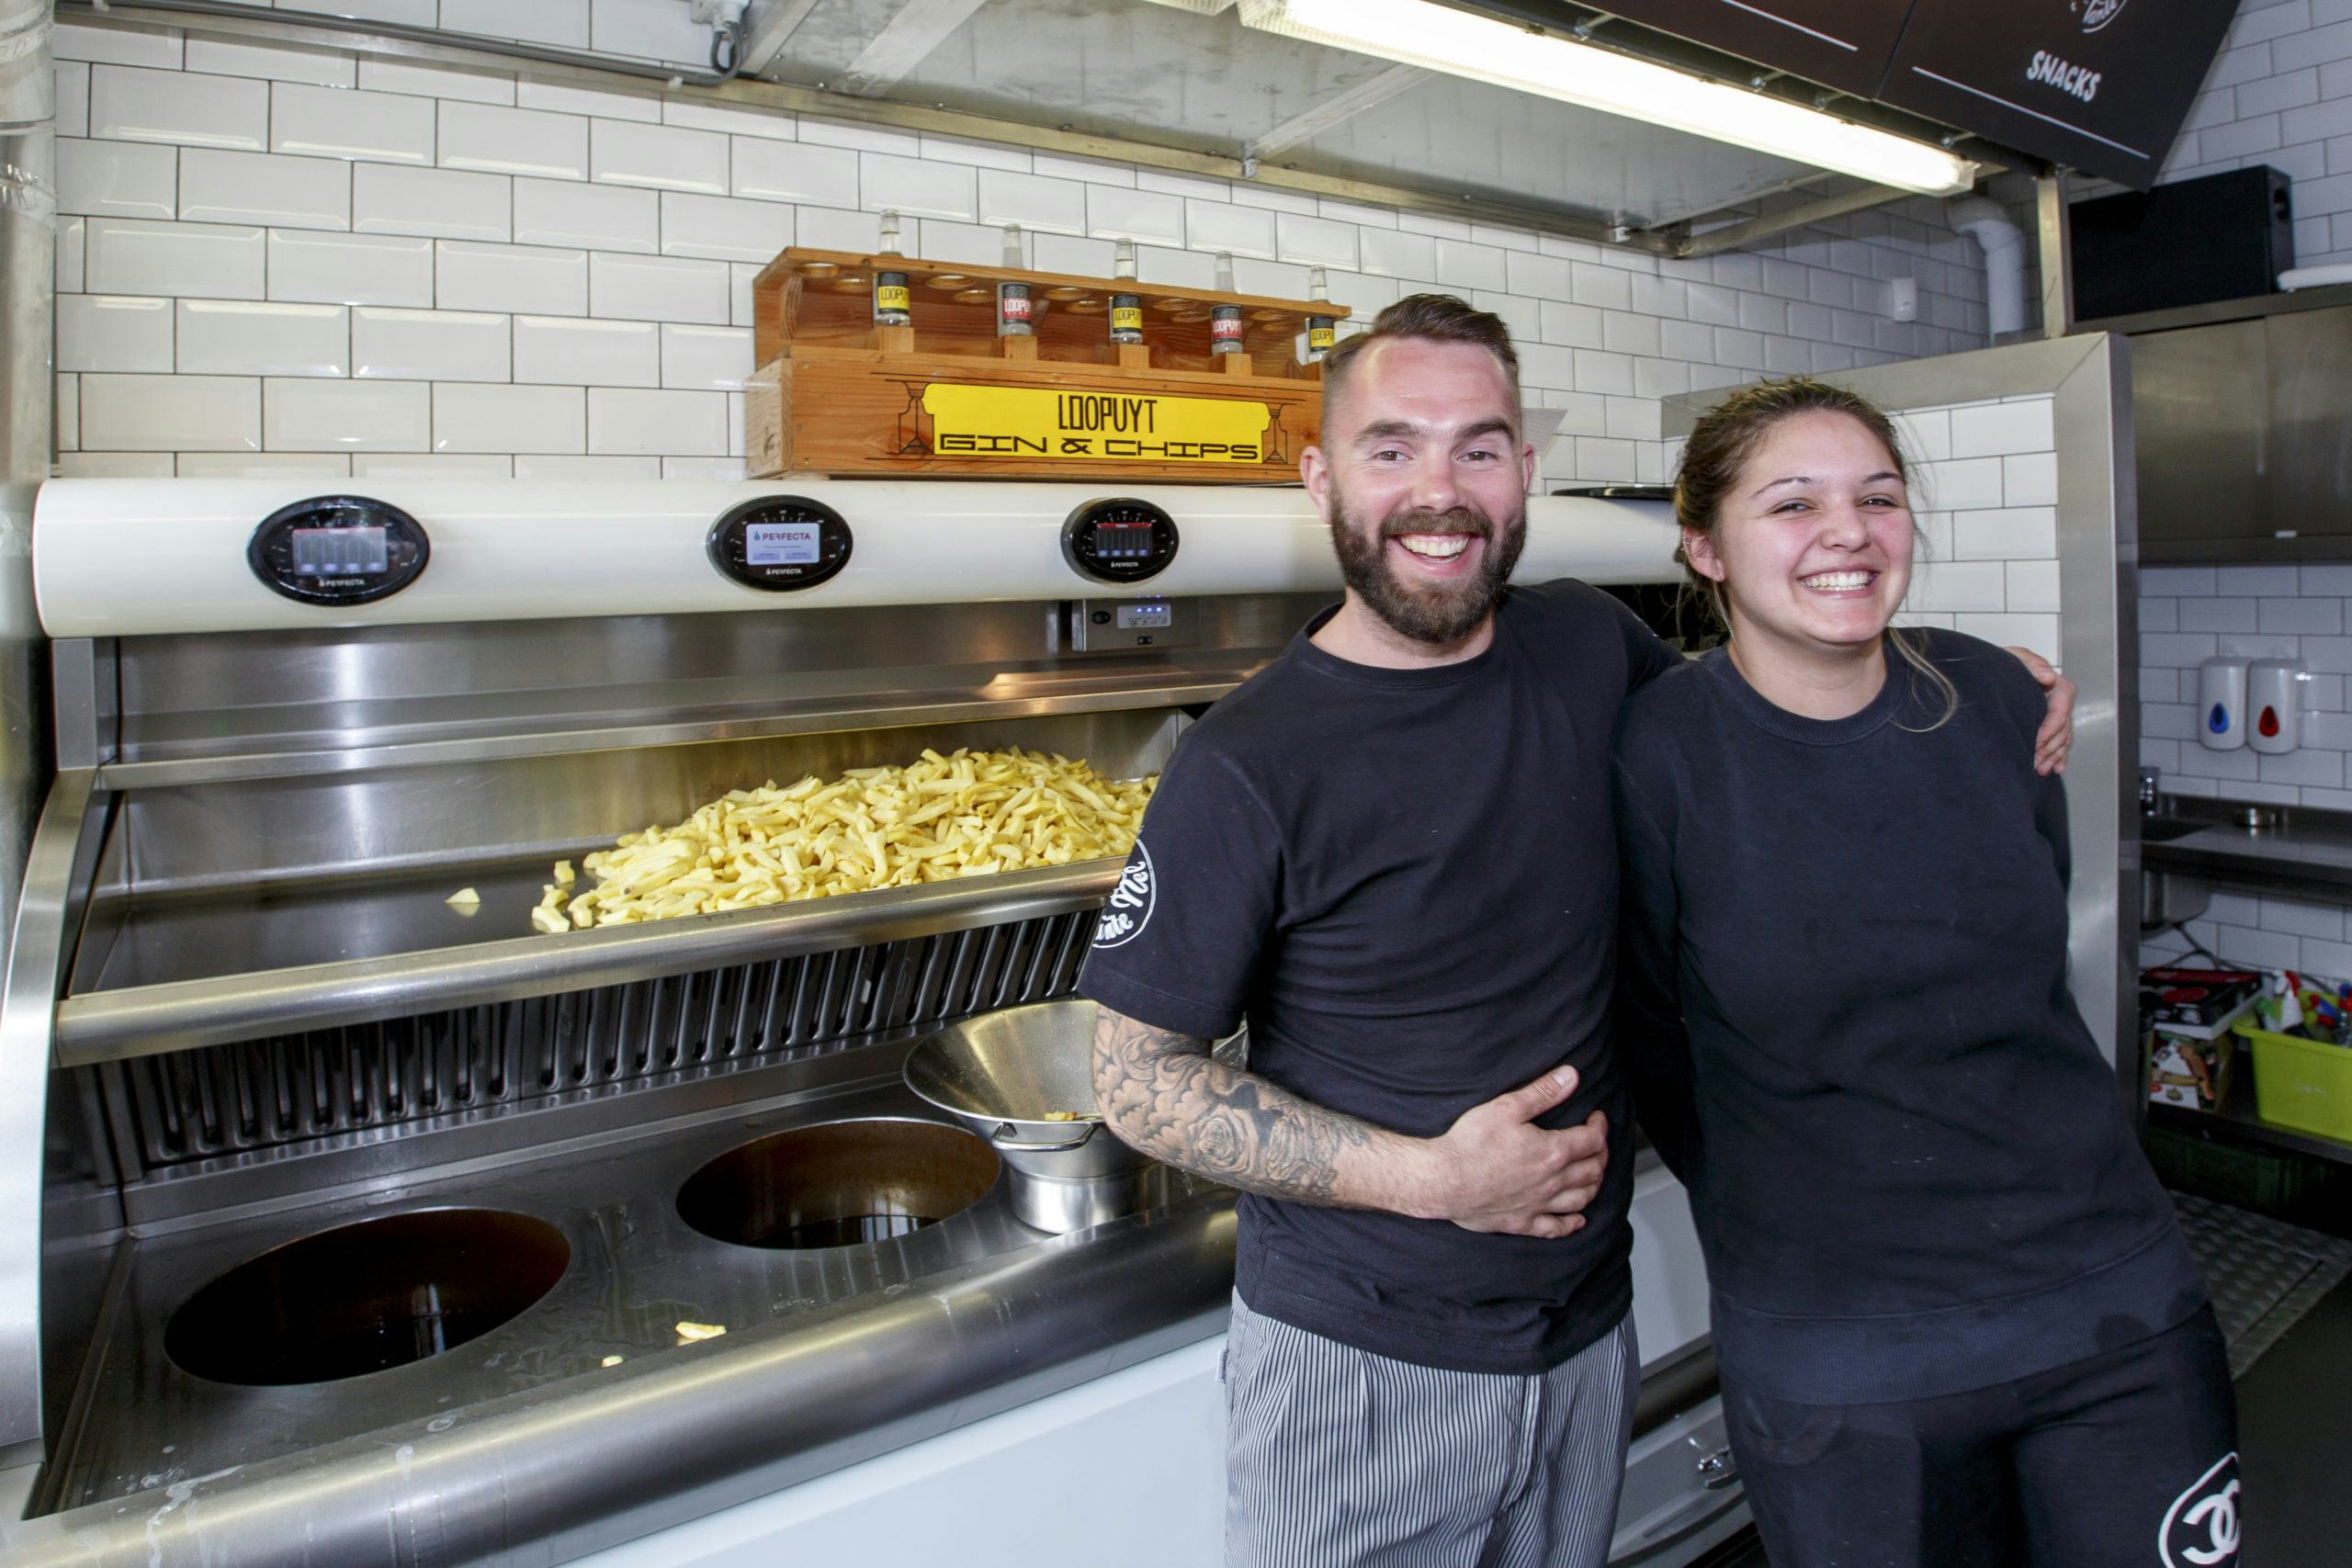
(1843,1007)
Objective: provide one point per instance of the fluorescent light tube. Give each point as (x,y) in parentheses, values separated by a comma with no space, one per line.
(1438,38)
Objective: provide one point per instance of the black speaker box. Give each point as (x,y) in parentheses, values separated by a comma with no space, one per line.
(2224,236)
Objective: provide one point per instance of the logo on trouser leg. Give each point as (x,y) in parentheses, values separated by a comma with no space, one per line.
(2200,1528)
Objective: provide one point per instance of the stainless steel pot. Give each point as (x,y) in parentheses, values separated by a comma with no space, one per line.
(1005,1075)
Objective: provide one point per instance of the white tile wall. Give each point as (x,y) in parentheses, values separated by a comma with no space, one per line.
(170,414)
(345,416)
(246,337)
(2280,93)
(494,220)
(113,331)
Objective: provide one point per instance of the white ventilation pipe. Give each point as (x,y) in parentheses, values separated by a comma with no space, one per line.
(1989,224)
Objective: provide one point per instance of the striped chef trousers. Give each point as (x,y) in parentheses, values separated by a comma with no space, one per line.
(1337,1458)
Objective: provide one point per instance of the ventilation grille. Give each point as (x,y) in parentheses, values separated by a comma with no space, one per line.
(259,1094)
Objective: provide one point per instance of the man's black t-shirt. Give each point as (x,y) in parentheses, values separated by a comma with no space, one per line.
(1845,1007)
(1405,880)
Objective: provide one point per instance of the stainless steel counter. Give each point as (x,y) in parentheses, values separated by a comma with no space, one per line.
(2311,850)
(525,1437)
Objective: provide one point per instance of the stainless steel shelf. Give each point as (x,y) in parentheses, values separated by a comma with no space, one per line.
(193,969)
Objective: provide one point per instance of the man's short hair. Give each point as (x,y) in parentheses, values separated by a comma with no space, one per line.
(1433,318)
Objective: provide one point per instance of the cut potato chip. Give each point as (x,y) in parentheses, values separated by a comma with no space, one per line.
(966,814)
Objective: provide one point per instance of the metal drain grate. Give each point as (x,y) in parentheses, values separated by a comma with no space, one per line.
(258,1094)
(2263,1274)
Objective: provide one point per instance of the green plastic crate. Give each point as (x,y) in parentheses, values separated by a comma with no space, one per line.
(2302,1083)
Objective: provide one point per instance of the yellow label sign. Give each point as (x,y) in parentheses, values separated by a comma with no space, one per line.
(1030,423)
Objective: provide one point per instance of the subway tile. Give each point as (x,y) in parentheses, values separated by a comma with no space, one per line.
(118,46)
(705,358)
(247,337)
(1523,317)
(664,157)
(2169,721)
(1086,171)
(2303,617)
(1959,585)
(114,464)
(588,216)
(1143,216)
(2297,918)
(431,82)
(2249,645)
(1740,350)
(429,345)
(432,465)
(2031,479)
(493,139)
(1196,188)
(170,414)
(683,424)
(1999,429)
(67,406)
(262,188)
(549,470)
(1245,193)
(2009,630)
(915,188)
(1660,378)
(130,105)
(1686,340)
(214,261)
(470,276)
(1622,332)
(1318,242)
(862,137)
(1399,254)
(708,470)
(1762,313)
(350,269)
(71,79)
(2257,581)
(2219,615)
(2159,685)
(1158,263)
(2332,581)
(1959,484)
(1432,224)
(2033,585)
(117,179)
(1549,366)
(657,289)
(1087,258)
(1268,279)
(2182,582)
(2181,651)
(367,127)
(1606,287)
(113,333)
(279,62)
(1925,434)
(768,125)
(642,108)
(944,239)
(1055,205)
(1603,372)
(344,416)
(474,418)
(263,465)
(2318,770)
(445,203)
(1359,213)
(2013,534)
(1536,276)
(829,229)
(1465,264)
(779,171)
(724,227)
(569,351)
(1634,418)
(1221,227)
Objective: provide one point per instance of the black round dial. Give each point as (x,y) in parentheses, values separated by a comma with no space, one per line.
(338,550)
(1119,540)
(780,543)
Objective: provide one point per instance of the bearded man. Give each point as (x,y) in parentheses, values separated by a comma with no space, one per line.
(1391,852)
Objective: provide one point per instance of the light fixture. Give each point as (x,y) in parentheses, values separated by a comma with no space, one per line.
(1438,38)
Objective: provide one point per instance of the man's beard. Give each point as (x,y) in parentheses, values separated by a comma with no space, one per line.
(1433,612)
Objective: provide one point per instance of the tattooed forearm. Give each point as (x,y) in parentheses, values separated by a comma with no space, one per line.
(1163,1093)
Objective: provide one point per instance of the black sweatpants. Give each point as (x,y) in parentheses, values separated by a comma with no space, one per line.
(2127,1460)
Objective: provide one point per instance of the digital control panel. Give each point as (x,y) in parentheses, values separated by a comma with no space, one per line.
(338,550)
(1119,540)
(780,543)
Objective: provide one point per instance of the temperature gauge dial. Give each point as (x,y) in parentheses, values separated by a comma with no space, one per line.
(338,550)
(780,543)
(1119,540)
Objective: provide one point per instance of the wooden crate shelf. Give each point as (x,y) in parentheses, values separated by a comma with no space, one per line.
(837,394)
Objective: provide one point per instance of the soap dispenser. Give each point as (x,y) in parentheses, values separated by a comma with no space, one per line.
(2274,704)
(2221,703)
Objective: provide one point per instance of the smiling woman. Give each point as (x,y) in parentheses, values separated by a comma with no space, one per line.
(1794,503)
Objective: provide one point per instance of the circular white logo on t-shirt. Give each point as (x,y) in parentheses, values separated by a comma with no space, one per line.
(1129,910)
